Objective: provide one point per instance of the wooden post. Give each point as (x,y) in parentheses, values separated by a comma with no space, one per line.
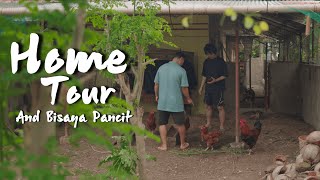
(250,71)
(237,85)
(312,47)
(279,49)
(300,48)
(214,32)
(308,23)
(266,93)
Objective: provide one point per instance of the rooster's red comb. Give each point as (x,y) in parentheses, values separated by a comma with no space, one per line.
(243,121)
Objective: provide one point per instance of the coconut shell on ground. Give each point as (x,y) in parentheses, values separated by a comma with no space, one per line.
(302,167)
(313,137)
(311,153)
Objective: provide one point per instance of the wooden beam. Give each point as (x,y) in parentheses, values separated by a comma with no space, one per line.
(214,32)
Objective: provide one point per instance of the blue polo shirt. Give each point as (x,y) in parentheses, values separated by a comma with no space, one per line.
(171,77)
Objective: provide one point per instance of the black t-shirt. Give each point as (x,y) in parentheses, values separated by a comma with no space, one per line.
(215,68)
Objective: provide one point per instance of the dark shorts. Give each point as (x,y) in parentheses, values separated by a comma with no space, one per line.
(214,98)
(178,117)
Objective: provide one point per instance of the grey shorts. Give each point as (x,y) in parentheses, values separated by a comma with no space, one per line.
(178,117)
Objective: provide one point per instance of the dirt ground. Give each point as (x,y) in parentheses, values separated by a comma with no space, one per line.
(279,136)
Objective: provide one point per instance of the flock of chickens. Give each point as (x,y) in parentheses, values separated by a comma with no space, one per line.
(248,135)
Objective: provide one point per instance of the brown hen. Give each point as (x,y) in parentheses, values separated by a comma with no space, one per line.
(211,138)
(151,122)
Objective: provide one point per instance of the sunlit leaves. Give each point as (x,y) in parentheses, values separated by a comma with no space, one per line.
(257,30)
(249,21)
(231,13)
(264,26)
(185,22)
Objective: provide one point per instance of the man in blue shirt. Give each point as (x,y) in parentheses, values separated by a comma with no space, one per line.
(214,74)
(171,84)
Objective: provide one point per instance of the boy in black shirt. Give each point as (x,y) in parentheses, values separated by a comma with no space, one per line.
(214,73)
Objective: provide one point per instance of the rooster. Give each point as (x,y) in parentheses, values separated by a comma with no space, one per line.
(211,138)
(250,136)
(151,122)
(187,126)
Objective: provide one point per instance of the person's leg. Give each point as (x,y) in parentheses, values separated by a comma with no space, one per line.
(222,116)
(163,121)
(209,115)
(179,119)
(208,102)
(222,113)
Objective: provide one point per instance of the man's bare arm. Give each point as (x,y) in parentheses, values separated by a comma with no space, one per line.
(185,92)
(156,90)
(216,80)
(203,80)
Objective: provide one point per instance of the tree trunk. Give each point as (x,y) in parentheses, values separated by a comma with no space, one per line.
(36,135)
(140,143)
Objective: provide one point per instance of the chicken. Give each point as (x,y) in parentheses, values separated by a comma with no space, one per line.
(250,136)
(151,122)
(249,97)
(257,115)
(211,138)
(187,126)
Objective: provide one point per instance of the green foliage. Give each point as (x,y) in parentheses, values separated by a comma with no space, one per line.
(15,161)
(125,32)
(123,159)
(17,164)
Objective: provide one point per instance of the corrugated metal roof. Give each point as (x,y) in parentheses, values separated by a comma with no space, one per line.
(281,25)
(195,6)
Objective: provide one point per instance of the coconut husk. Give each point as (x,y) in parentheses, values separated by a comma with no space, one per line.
(312,178)
(270,168)
(317,169)
(291,171)
(280,160)
(303,166)
(278,170)
(302,141)
(282,177)
(312,173)
(310,153)
(302,176)
(299,159)
(313,137)
(269,177)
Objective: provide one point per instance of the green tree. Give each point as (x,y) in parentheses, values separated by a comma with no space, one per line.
(133,34)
